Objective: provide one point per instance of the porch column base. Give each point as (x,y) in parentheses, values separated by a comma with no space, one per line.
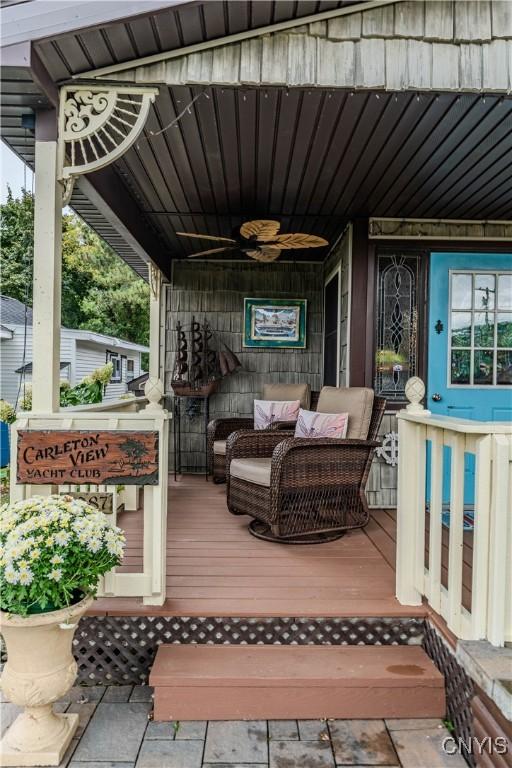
(9,756)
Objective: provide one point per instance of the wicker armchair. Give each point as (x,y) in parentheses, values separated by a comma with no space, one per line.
(219,429)
(301,490)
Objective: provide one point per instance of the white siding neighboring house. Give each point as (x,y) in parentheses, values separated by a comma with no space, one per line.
(80,353)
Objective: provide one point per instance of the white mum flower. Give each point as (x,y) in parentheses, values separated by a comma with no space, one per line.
(56,574)
(56,560)
(61,538)
(11,575)
(25,576)
(94,544)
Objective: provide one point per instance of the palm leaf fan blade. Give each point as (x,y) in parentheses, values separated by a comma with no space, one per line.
(217,238)
(299,240)
(265,254)
(261,229)
(212,250)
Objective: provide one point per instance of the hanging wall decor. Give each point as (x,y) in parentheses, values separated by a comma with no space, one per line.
(201,360)
(277,323)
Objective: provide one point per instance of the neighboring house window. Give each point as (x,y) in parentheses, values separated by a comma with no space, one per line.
(397,323)
(130,370)
(480,329)
(114,358)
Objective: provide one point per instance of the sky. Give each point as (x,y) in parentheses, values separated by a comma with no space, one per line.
(12,173)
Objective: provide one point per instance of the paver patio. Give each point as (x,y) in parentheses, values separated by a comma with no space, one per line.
(116,731)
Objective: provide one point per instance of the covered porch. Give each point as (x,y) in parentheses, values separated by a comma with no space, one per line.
(216,568)
(384,130)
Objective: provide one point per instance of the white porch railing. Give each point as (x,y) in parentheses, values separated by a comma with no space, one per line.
(149,583)
(419,577)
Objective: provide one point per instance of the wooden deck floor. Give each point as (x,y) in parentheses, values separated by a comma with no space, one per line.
(216,568)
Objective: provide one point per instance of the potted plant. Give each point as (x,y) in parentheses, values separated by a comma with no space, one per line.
(53,551)
(388,360)
(7,417)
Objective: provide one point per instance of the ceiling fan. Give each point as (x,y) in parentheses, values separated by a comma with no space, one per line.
(259,240)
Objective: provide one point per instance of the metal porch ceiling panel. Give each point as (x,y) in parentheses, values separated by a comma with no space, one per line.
(316,159)
(166,30)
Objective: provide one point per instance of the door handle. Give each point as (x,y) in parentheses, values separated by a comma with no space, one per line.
(436,397)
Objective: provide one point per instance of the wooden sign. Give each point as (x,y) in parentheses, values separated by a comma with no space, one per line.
(79,457)
(102,501)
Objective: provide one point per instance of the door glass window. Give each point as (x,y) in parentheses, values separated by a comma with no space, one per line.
(480,331)
(397,323)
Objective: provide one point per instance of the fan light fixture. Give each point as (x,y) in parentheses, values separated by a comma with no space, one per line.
(260,241)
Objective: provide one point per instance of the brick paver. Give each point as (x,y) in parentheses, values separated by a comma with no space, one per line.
(116,731)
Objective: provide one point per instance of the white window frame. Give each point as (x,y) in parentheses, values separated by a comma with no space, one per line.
(128,372)
(115,359)
(495,349)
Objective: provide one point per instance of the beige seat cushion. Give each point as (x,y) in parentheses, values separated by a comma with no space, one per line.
(253,470)
(219,447)
(356,401)
(278,392)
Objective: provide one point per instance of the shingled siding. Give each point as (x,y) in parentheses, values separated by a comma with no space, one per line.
(217,292)
(413,45)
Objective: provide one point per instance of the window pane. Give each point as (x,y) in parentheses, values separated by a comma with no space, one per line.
(505,291)
(483,363)
(484,329)
(460,366)
(461,291)
(504,367)
(484,291)
(461,329)
(504,329)
(397,313)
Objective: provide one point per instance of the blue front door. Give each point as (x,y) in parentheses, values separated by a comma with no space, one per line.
(470,340)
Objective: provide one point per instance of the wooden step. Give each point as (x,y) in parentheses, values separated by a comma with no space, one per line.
(277,682)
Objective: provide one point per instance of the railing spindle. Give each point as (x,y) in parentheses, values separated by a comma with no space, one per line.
(436,517)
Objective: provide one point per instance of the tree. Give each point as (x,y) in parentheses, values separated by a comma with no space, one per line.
(99,291)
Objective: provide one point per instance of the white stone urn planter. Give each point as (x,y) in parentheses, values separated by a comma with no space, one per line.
(39,671)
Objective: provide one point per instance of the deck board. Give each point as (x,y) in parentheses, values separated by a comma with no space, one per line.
(216,568)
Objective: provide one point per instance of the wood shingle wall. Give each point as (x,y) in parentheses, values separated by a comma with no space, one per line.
(217,292)
(419,45)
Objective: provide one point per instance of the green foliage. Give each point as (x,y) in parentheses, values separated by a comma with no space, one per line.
(99,291)
(103,374)
(26,397)
(7,412)
(82,394)
(53,550)
(89,390)
(16,239)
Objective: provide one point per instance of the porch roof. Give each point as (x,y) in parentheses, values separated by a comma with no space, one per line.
(313,157)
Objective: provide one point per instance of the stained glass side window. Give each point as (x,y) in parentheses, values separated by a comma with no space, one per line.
(397,324)
(481,329)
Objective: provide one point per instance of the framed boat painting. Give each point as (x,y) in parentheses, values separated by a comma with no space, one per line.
(275,323)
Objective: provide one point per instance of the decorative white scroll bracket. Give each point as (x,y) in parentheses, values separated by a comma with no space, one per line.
(98,124)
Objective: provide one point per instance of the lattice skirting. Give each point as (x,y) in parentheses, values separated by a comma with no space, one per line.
(118,649)
(459,688)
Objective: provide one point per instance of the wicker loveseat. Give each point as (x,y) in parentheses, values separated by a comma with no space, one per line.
(306,490)
(220,429)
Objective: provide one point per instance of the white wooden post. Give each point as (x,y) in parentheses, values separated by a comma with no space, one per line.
(47,268)
(410,534)
(155,283)
(410,495)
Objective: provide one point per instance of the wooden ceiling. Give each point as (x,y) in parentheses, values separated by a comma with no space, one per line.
(317,159)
